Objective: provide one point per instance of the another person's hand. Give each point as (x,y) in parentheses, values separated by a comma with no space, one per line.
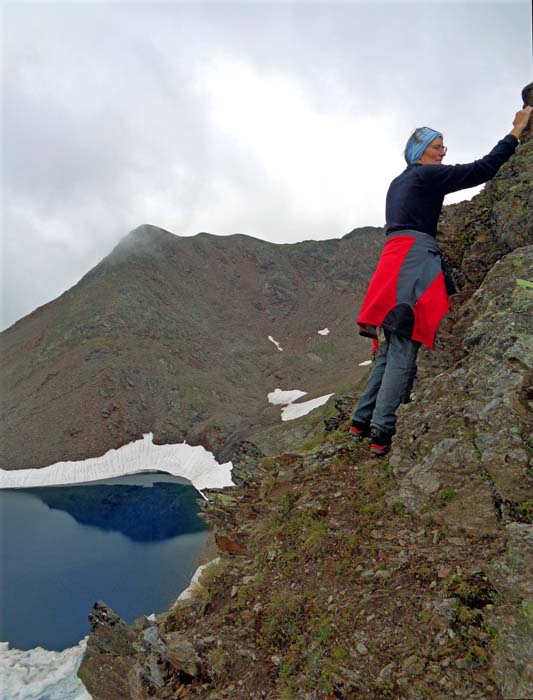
(520,121)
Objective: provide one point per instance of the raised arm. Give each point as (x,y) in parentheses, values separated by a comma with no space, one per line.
(451,178)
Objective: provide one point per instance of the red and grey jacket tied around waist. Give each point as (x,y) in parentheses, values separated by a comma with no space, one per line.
(407,293)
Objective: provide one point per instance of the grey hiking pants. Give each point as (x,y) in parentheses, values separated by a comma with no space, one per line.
(389,384)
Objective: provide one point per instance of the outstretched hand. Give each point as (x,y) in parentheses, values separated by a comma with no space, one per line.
(520,121)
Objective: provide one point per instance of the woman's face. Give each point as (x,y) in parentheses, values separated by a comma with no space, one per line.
(434,153)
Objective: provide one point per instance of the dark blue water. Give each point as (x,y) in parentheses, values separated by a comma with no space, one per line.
(132,542)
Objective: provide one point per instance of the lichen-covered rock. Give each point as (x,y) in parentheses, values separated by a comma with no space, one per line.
(181,655)
(512,667)
(474,235)
(513,573)
(463,451)
(513,576)
(134,662)
(343,405)
(464,442)
(110,634)
(244,456)
(112,654)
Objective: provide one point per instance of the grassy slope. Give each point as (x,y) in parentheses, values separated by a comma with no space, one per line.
(335,585)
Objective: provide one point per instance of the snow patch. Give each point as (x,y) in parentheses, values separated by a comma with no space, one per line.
(193,463)
(275,343)
(195,581)
(324,331)
(297,410)
(279,397)
(39,673)
(365,363)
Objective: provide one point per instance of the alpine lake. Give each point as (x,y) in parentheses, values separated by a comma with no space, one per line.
(132,542)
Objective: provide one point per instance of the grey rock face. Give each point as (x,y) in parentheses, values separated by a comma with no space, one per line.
(135,661)
(245,457)
(182,655)
(463,452)
(513,574)
(468,432)
(111,653)
(109,632)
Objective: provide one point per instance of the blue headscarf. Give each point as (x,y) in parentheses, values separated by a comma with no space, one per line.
(418,142)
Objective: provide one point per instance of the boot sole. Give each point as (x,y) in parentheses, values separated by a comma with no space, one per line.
(379,450)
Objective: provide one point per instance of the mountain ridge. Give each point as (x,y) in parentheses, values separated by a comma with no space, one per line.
(135,345)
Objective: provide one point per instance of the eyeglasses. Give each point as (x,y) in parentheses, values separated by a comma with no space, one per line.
(444,149)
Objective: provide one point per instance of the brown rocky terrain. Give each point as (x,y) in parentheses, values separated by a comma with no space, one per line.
(170,335)
(346,576)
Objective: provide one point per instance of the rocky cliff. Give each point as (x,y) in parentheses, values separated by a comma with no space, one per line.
(170,335)
(346,576)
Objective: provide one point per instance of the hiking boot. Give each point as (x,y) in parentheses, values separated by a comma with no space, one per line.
(359,430)
(380,442)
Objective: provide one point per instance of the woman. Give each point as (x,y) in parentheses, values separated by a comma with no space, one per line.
(408,293)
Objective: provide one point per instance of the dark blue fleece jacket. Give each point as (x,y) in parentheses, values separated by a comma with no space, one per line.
(414,199)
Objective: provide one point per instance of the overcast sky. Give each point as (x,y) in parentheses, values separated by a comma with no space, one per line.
(285,121)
